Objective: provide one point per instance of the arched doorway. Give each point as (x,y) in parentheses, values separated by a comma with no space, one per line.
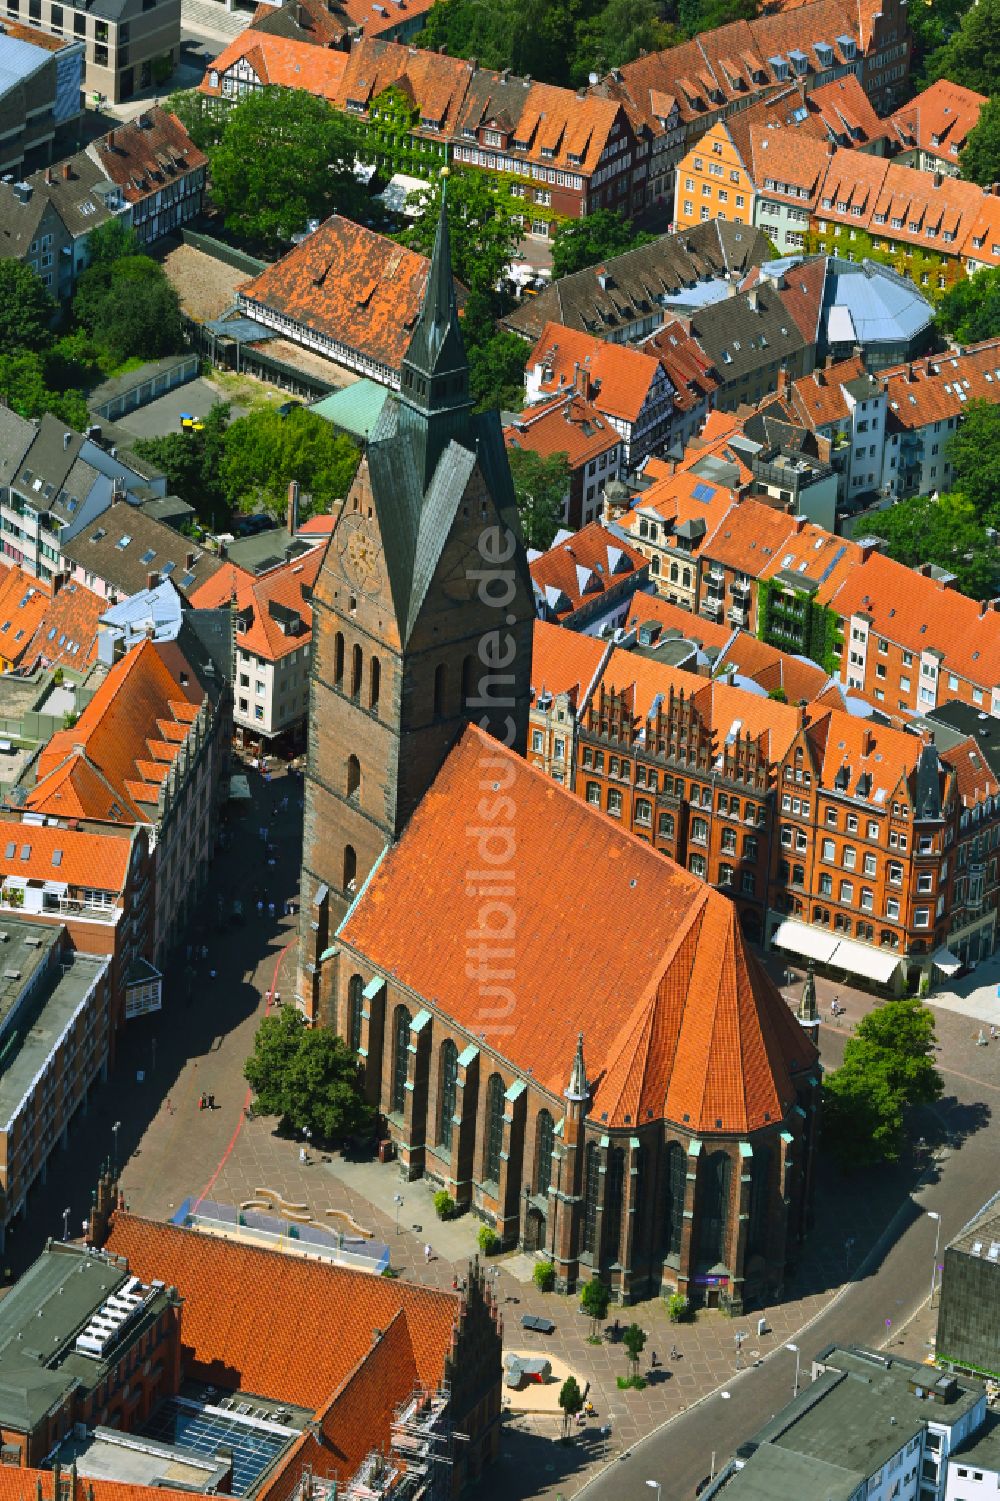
(534,1229)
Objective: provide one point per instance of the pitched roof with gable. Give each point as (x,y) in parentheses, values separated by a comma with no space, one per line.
(37,852)
(692,507)
(750,538)
(67,633)
(818,400)
(918,612)
(436,83)
(688,367)
(17,1484)
(23,602)
(619,379)
(676,622)
(273,612)
(938,121)
(146,155)
(561,129)
(569,425)
(771,669)
(241,1301)
(348,283)
(110,764)
(584,565)
(679,1020)
(815,556)
(123,546)
(331,23)
(279,62)
(887,757)
(788,165)
(901,203)
(940,386)
(564,661)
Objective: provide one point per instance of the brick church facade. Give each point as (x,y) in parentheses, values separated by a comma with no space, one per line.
(557,1023)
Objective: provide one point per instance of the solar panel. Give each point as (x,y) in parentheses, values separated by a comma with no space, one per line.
(703,492)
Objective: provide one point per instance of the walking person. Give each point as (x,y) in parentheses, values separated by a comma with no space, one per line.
(427,1254)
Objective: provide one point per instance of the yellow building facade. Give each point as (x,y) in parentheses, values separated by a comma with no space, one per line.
(712,182)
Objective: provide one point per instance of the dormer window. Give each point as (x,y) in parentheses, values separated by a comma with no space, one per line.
(214,78)
(846,45)
(428,124)
(492,138)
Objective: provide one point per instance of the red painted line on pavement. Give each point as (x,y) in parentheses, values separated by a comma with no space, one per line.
(246,1098)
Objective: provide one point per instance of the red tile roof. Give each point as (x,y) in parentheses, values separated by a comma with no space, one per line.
(675,621)
(683,500)
(242,1303)
(329,23)
(618,378)
(938,121)
(678,1018)
(23,601)
(800,678)
(146,155)
(689,369)
(818,399)
(887,755)
(974,778)
(750,537)
(817,556)
(585,564)
(918,613)
(941,386)
(22,33)
(350,284)
(568,425)
(280,62)
(564,661)
(437,84)
(67,633)
(38,852)
(317,526)
(263,604)
(141,713)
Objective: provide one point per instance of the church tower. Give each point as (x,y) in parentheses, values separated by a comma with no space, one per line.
(422,619)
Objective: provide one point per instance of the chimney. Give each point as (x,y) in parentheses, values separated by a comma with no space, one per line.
(152,579)
(781,388)
(753,300)
(111,140)
(292,514)
(67,439)
(48,176)
(189,561)
(984,606)
(938,179)
(800,523)
(58,579)
(802,706)
(66,172)
(868,743)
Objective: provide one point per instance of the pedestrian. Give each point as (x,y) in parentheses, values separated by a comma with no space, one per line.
(211,974)
(652,1359)
(260,907)
(270,905)
(170,1108)
(993,1034)
(427,1254)
(673,1352)
(204,951)
(302,1156)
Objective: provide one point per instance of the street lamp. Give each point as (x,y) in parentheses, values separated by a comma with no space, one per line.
(795,1351)
(932,1214)
(397,1199)
(654,1485)
(725,1397)
(114,1131)
(65,1224)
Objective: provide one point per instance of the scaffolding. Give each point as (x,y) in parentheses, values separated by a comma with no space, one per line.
(419,1457)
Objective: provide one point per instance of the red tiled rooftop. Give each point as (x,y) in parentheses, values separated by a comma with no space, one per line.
(585,564)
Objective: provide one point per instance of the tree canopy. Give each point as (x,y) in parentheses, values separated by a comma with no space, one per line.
(129,308)
(541,486)
(191,462)
(888,1067)
(264,450)
(595,1296)
(571,1401)
(974,451)
(481,227)
(970,309)
(578,243)
(307,1076)
(284,157)
(945,530)
(979,160)
(200,115)
(970,55)
(26,308)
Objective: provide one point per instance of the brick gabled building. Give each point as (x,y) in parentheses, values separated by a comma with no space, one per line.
(158,170)
(663,1123)
(670,523)
(594,450)
(257,60)
(586,580)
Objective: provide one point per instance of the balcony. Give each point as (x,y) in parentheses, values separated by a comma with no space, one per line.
(711,607)
(740,589)
(738,615)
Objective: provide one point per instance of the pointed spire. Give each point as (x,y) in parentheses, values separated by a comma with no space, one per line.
(578,1088)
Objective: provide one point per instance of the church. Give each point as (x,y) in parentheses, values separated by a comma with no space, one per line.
(558,1024)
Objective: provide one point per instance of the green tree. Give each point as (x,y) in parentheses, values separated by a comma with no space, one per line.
(979,160)
(634,1340)
(696,16)
(24,388)
(26,308)
(578,243)
(285,156)
(888,1067)
(263,451)
(306,1076)
(595,1296)
(541,486)
(130,309)
(201,116)
(111,241)
(971,54)
(571,1402)
(496,372)
(191,462)
(268,1066)
(616,34)
(481,228)
(944,530)
(73,360)
(970,309)
(322,1094)
(974,451)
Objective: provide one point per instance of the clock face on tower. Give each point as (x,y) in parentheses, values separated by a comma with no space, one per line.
(359,554)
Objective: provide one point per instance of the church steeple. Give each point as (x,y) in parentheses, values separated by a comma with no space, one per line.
(578,1090)
(435,405)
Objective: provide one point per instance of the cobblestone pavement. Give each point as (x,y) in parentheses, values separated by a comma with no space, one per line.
(172,1150)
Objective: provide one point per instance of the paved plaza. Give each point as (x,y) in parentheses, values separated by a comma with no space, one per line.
(172,1150)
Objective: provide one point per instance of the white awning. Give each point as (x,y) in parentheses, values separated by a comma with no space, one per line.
(814,943)
(875,964)
(945,961)
(239,789)
(55,888)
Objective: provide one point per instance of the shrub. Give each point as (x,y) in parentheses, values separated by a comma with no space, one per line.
(544,1276)
(678,1308)
(489,1240)
(444,1206)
